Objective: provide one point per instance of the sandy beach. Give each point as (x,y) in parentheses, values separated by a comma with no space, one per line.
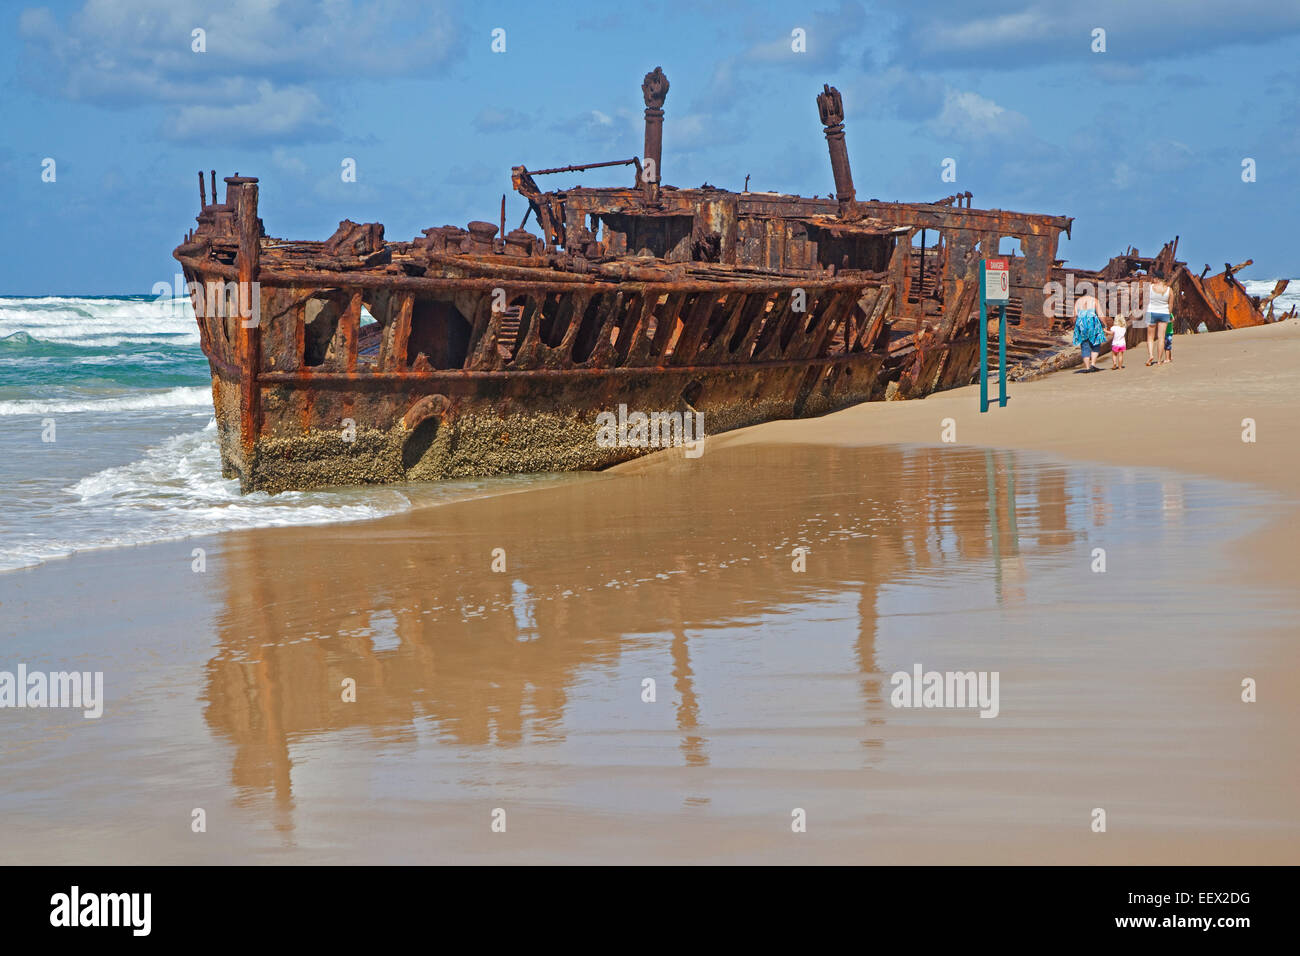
(499,649)
(1186,416)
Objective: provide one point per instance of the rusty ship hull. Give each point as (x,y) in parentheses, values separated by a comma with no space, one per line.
(488,361)
(442,385)
(470,352)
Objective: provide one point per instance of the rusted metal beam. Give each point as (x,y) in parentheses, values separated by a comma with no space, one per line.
(349,329)
(654,89)
(581,167)
(362,280)
(830,106)
(402,333)
(248,326)
(305,379)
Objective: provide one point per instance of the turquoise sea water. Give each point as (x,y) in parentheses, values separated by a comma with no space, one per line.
(122,388)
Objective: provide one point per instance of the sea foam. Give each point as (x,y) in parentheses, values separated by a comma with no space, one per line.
(186,397)
(93,323)
(174,491)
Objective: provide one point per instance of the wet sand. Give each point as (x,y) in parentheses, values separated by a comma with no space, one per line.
(1186,416)
(523,689)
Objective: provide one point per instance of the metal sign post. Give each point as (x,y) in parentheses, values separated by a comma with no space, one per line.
(995,289)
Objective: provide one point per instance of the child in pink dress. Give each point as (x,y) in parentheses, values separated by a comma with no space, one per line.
(1117,346)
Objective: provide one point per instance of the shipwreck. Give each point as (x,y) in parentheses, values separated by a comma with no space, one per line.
(473,351)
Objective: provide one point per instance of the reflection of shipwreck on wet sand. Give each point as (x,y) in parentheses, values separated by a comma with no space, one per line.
(496,660)
(492,352)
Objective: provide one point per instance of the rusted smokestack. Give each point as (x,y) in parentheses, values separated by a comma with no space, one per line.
(654,88)
(831,108)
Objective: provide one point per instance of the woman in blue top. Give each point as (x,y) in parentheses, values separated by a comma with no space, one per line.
(1089,333)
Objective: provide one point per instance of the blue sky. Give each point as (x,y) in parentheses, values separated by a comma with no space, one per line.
(1139,143)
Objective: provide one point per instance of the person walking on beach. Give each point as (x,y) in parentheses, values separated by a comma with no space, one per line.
(1158,295)
(1169,342)
(1089,333)
(1138,319)
(1117,345)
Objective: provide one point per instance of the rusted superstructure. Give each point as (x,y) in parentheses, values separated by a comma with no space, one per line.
(925,253)
(474,351)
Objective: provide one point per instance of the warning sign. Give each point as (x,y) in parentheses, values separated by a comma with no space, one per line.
(997,280)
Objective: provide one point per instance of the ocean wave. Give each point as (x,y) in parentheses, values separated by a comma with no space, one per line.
(1284,302)
(175,492)
(56,300)
(23,341)
(93,321)
(135,401)
(177,339)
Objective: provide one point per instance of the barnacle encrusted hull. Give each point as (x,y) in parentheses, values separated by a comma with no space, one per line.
(447,383)
(459,430)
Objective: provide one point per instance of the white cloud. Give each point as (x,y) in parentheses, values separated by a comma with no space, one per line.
(969,116)
(956,34)
(131,53)
(599,126)
(991,32)
(274,113)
